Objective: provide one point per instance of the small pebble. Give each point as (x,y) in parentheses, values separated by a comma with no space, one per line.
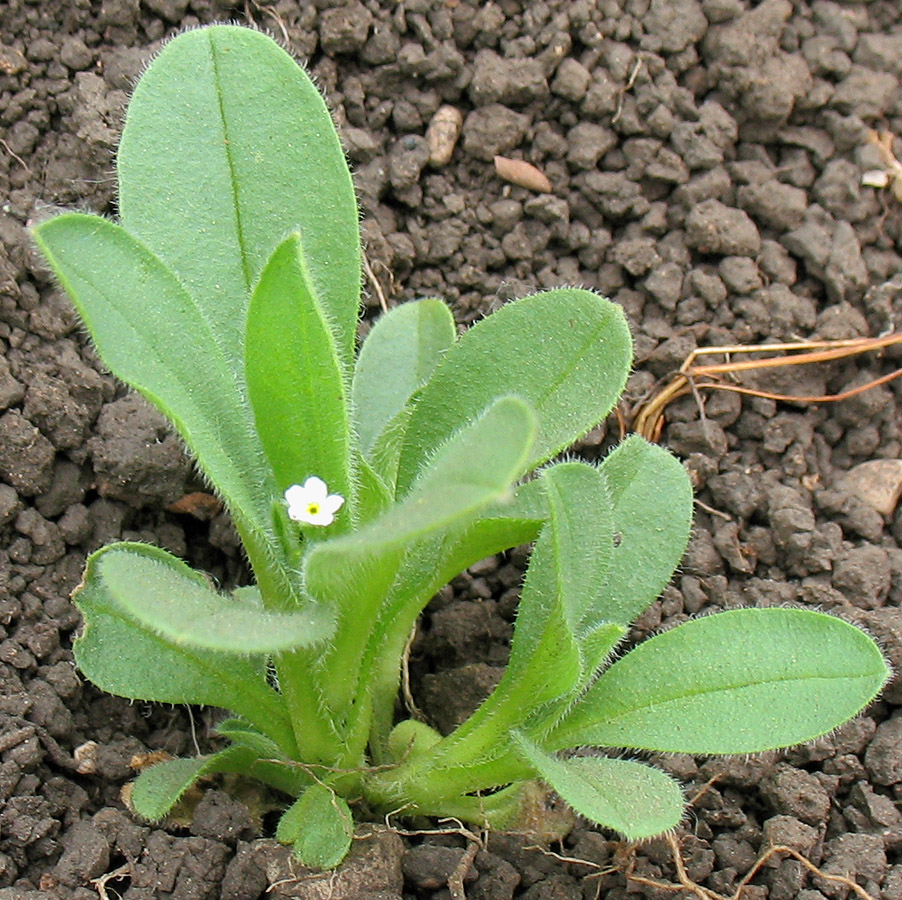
(878,482)
(442,135)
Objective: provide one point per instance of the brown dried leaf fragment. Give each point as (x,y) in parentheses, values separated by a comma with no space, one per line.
(522,173)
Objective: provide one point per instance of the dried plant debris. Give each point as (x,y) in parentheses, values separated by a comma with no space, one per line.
(891,175)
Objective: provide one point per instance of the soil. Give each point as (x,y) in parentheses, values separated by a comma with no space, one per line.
(705,158)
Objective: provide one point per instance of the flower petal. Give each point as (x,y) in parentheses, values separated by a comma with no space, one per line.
(316,490)
(333,503)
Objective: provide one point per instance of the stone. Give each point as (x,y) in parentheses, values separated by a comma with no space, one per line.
(442,134)
(878,482)
(516,81)
(885,625)
(863,575)
(774,204)
(344,29)
(714,228)
(675,24)
(795,792)
(75,54)
(883,758)
(866,93)
(571,81)
(26,456)
(753,36)
(882,52)
(493,130)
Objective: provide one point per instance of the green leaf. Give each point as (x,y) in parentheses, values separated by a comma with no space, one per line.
(567,566)
(508,522)
(268,762)
(621,794)
(427,566)
(741,681)
(163,593)
(474,468)
(652,517)
(227,147)
(582,534)
(154,337)
(239,731)
(385,453)
(320,827)
(373,497)
(126,656)
(547,661)
(566,352)
(157,789)
(294,377)
(398,356)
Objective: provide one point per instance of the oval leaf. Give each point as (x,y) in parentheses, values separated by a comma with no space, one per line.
(154,337)
(398,356)
(158,788)
(627,796)
(652,517)
(163,593)
(566,352)
(320,827)
(127,657)
(476,467)
(741,681)
(228,146)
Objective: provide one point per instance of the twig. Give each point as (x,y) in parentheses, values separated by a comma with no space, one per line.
(15,156)
(648,419)
(631,80)
(407,695)
(703,893)
(267,12)
(376,286)
(712,511)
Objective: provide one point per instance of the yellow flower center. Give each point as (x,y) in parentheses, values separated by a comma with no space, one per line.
(313,509)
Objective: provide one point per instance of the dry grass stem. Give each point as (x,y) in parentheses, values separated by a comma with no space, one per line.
(685,882)
(648,417)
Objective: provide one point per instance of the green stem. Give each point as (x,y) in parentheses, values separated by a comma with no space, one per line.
(345,668)
(314,732)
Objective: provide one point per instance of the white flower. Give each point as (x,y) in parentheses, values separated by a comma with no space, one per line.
(312,503)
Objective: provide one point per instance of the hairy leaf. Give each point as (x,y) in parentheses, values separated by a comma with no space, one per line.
(126,656)
(475,467)
(154,337)
(566,352)
(652,517)
(627,796)
(227,147)
(398,356)
(741,681)
(320,827)
(158,788)
(293,375)
(166,595)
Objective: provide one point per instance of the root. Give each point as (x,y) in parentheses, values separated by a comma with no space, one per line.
(124,871)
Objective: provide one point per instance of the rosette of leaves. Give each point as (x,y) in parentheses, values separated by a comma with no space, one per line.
(228,294)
